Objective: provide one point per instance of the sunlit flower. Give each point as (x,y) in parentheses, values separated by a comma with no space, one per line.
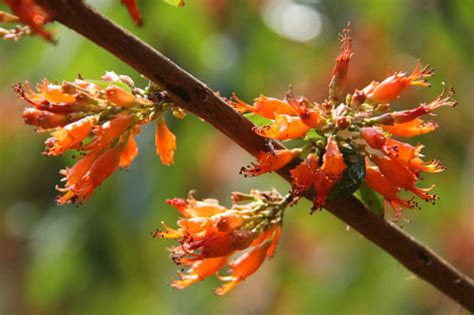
(165,142)
(339,73)
(33,15)
(210,235)
(284,127)
(264,106)
(379,183)
(100,121)
(391,88)
(270,161)
(339,133)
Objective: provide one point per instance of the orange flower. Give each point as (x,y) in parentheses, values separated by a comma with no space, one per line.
(401,176)
(383,186)
(210,234)
(330,172)
(134,11)
(339,73)
(304,174)
(129,153)
(109,131)
(391,88)
(32,15)
(409,115)
(270,161)
(284,127)
(165,142)
(244,266)
(70,137)
(44,119)
(411,128)
(374,137)
(306,110)
(119,96)
(88,174)
(410,156)
(199,271)
(264,106)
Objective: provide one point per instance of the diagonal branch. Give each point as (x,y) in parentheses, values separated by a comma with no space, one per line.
(194,96)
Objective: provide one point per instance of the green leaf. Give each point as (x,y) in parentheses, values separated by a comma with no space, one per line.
(257,119)
(176,3)
(105,84)
(352,177)
(313,136)
(371,199)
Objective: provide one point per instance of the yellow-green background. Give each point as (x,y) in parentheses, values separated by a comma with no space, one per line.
(100,258)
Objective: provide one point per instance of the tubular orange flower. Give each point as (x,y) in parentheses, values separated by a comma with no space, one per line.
(410,156)
(329,173)
(264,106)
(391,88)
(270,161)
(129,153)
(339,73)
(199,271)
(374,137)
(70,137)
(401,176)
(109,131)
(284,127)
(119,96)
(303,175)
(244,266)
(100,120)
(208,239)
(411,128)
(32,15)
(306,110)
(44,119)
(383,186)
(94,170)
(165,142)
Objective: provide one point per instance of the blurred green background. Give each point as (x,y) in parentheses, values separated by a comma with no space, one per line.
(100,258)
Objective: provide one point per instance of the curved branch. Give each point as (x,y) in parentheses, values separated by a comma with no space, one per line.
(194,96)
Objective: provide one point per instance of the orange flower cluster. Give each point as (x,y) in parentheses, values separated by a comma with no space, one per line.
(359,124)
(210,235)
(35,16)
(100,120)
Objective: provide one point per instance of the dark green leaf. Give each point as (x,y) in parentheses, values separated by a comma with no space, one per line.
(352,176)
(371,199)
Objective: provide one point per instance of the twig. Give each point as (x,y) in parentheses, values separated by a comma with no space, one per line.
(194,96)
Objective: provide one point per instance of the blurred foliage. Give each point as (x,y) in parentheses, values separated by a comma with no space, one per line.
(100,258)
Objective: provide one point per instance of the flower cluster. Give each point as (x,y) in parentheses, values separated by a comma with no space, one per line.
(34,16)
(99,119)
(213,237)
(343,131)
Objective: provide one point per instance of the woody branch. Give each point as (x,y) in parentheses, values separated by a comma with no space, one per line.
(194,96)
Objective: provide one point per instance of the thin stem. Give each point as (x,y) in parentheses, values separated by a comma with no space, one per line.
(194,96)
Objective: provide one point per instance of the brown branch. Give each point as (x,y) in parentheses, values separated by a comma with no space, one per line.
(194,96)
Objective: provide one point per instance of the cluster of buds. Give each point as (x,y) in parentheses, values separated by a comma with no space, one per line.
(34,16)
(359,125)
(213,237)
(98,119)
